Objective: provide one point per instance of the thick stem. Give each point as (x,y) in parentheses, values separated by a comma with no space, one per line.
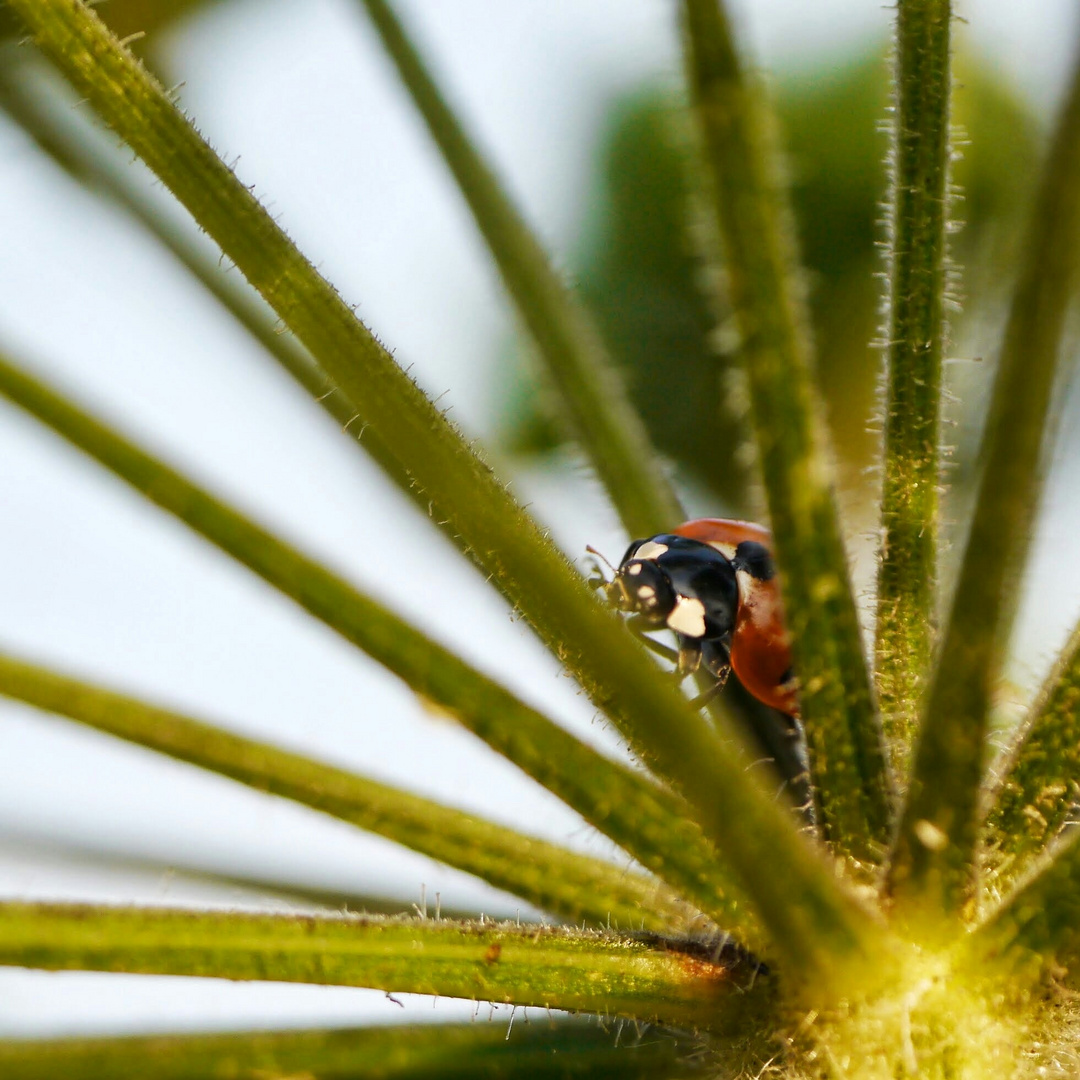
(1038,778)
(547,1050)
(573,886)
(934,861)
(569,343)
(709,766)
(846,756)
(523,965)
(915,332)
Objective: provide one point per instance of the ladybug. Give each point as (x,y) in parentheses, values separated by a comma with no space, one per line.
(712,581)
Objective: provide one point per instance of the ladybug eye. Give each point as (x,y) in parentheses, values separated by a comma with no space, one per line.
(642,588)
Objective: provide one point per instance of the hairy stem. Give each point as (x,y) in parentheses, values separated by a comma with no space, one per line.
(1038,925)
(638,814)
(548,1050)
(708,765)
(1038,778)
(533,965)
(846,756)
(575,887)
(907,572)
(569,343)
(934,860)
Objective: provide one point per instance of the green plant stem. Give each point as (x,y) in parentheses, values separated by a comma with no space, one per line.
(614,797)
(917,263)
(1038,924)
(634,811)
(934,860)
(547,967)
(710,767)
(569,343)
(572,886)
(487,1051)
(275,887)
(846,756)
(1038,777)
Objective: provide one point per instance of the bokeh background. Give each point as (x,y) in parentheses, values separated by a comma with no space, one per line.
(578,104)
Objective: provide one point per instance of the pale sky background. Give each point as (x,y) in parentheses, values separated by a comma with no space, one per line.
(93,579)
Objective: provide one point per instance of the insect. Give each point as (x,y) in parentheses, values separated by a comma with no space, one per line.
(712,581)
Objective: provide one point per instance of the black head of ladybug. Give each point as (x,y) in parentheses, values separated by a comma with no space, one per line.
(680,583)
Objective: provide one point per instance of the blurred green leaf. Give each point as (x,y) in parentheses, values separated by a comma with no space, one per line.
(641,269)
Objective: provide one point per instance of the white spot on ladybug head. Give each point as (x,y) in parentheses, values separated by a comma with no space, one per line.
(646,596)
(650,550)
(688,617)
(634,569)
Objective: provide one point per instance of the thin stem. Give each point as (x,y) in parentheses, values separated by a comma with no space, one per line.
(572,886)
(846,757)
(709,767)
(704,880)
(639,815)
(612,797)
(1038,925)
(547,1050)
(569,343)
(934,860)
(548,967)
(274,886)
(1038,777)
(907,571)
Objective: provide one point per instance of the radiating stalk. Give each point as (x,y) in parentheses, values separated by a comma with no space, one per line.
(934,860)
(272,884)
(828,933)
(846,757)
(614,798)
(591,388)
(572,886)
(545,1049)
(1037,784)
(639,815)
(1038,924)
(548,967)
(915,332)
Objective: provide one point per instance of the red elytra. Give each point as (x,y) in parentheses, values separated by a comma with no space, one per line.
(760,649)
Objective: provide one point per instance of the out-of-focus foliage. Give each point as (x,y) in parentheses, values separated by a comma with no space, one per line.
(643,258)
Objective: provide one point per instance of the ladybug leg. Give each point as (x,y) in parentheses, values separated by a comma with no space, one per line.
(703,699)
(689,656)
(654,646)
(717,656)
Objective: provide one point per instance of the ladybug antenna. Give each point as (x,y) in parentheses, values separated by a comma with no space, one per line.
(592,551)
(597,578)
